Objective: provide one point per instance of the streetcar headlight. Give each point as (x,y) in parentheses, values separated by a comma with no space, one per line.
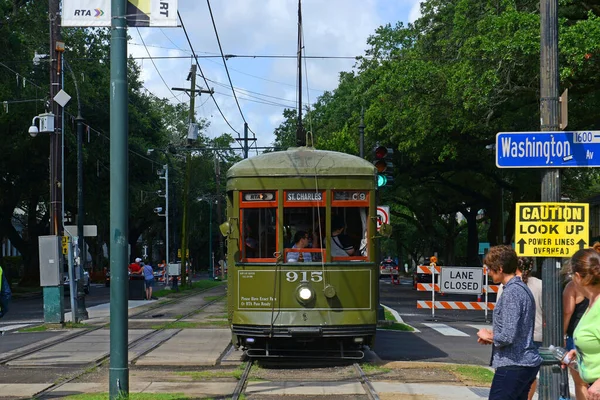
(305,293)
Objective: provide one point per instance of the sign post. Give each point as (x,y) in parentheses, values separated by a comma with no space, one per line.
(551,229)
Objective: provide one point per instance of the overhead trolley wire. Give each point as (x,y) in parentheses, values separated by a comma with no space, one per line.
(153,63)
(202,74)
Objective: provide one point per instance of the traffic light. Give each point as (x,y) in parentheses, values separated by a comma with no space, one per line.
(384,166)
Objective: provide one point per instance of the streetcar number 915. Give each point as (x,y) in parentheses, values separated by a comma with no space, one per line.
(315,276)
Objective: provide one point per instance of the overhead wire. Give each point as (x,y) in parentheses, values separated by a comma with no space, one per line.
(153,63)
(225,65)
(202,74)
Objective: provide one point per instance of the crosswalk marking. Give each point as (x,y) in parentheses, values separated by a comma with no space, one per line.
(478,327)
(446,330)
(7,328)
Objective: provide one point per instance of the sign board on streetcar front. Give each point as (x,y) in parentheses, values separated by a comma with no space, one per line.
(548,149)
(465,280)
(551,229)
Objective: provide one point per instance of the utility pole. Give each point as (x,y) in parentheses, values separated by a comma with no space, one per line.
(188,158)
(550,191)
(53,295)
(218,200)
(361,131)
(119,203)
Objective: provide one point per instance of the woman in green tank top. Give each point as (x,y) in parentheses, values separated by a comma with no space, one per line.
(585,265)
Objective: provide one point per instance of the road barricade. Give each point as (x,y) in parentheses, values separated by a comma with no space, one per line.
(454,278)
(456,305)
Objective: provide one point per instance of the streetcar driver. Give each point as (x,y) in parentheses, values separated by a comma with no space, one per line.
(340,247)
(301,240)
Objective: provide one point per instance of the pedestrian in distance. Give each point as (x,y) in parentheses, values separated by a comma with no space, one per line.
(135,268)
(585,269)
(5,293)
(149,280)
(515,357)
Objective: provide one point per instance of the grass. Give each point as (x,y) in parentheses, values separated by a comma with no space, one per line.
(177,325)
(132,396)
(394,326)
(213,298)
(222,316)
(196,286)
(372,369)
(44,327)
(472,374)
(397,326)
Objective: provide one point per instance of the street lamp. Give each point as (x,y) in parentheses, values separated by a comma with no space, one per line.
(166,213)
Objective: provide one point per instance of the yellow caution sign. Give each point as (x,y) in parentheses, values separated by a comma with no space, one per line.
(65,245)
(551,229)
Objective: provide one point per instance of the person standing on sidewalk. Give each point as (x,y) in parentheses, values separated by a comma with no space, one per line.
(149,278)
(585,268)
(574,306)
(5,293)
(514,355)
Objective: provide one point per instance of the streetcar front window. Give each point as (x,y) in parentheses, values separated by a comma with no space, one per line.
(259,233)
(349,238)
(304,228)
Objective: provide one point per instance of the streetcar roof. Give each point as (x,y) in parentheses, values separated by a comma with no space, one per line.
(301,161)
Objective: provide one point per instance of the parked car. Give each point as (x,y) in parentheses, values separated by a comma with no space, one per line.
(388,268)
(86,282)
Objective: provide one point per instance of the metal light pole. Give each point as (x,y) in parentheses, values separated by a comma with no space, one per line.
(81,311)
(550,191)
(166,214)
(118,379)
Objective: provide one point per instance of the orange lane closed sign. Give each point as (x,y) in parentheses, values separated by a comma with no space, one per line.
(551,229)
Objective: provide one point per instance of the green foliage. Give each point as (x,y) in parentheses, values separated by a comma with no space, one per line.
(438,91)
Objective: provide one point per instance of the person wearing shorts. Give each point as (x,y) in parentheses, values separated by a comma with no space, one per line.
(149,278)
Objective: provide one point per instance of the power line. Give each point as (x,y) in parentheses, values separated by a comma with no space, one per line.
(153,63)
(224,62)
(202,74)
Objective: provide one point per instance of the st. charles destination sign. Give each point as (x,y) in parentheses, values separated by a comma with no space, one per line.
(548,149)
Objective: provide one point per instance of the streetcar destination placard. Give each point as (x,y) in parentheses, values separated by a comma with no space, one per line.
(551,229)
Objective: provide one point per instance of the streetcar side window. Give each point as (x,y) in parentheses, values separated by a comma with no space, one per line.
(349,238)
(259,233)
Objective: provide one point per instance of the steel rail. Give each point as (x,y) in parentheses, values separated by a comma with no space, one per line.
(241,385)
(366,383)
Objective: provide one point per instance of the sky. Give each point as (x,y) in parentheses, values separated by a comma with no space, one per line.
(264,85)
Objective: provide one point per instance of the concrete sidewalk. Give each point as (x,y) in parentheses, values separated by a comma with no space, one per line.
(274,389)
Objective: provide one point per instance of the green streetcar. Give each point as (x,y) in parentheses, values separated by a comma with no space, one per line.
(320,299)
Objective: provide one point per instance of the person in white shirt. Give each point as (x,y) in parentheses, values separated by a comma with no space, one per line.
(338,246)
(301,240)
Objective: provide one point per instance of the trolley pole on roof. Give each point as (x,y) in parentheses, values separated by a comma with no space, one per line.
(550,191)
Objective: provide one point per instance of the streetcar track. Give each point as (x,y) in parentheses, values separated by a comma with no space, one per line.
(80,332)
(130,346)
(241,385)
(366,383)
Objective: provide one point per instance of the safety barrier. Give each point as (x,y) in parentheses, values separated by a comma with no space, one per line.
(452,305)
(455,305)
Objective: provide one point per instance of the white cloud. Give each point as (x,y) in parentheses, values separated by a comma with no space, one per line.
(259,28)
